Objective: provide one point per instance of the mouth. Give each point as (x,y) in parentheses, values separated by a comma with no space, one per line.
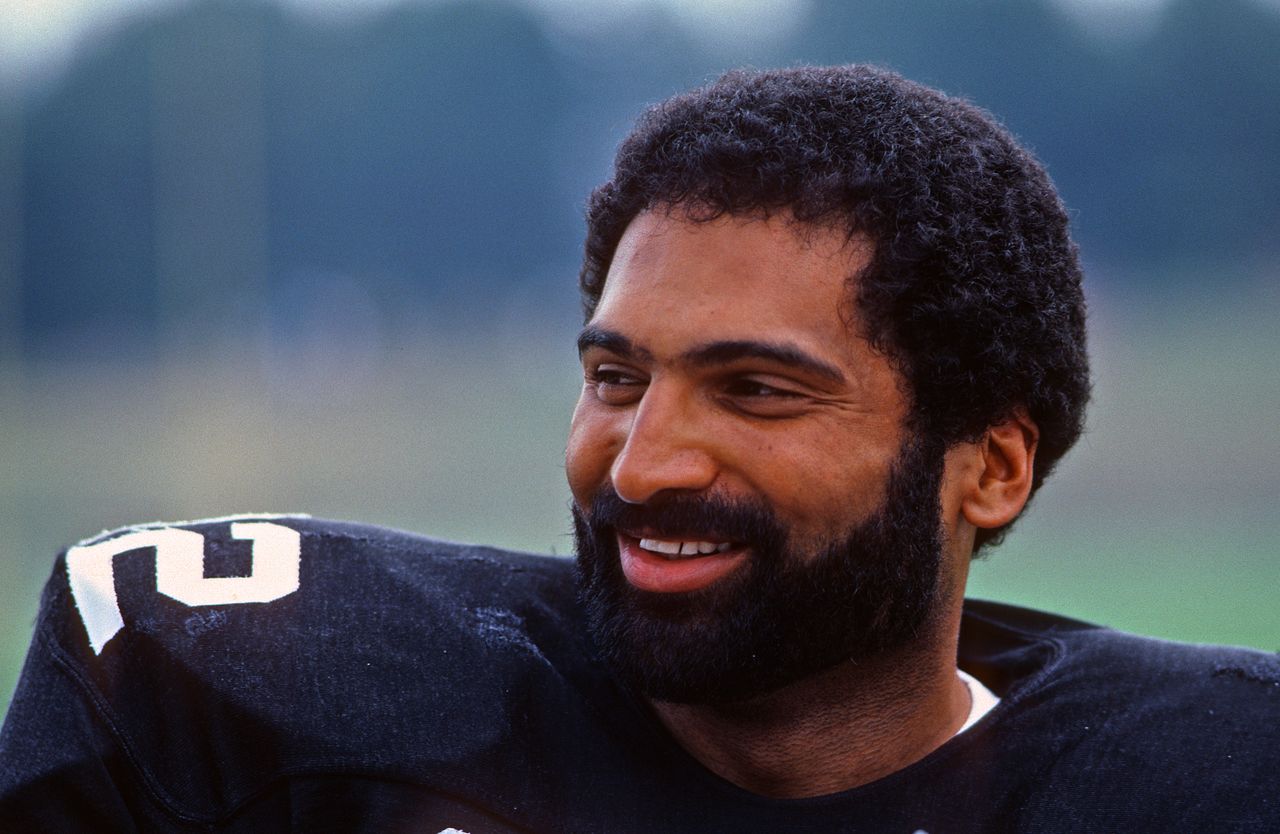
(674,565)
(683,549)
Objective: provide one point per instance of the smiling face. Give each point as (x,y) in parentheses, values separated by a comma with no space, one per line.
(730,461)
(719,361)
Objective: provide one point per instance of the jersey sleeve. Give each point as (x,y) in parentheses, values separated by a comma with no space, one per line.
(108,680)
(280,673)
(60,767)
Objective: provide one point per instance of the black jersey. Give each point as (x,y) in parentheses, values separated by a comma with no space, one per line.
(280,674)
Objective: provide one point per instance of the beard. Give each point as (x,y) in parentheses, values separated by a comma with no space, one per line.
(782,616)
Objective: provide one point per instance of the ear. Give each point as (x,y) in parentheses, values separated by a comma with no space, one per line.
(1007,453)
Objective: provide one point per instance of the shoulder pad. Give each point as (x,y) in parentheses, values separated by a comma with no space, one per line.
(281,644)
(198,576)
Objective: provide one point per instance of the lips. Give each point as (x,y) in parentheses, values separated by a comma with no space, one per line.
(669,565)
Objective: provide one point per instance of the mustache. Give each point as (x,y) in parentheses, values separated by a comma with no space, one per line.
(688,517)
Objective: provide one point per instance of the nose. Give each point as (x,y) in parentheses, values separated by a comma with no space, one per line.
(667,449)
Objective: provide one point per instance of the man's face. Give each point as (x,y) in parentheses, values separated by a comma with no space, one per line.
(730,461)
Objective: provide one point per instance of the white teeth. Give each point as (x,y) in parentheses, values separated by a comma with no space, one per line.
(672,548)
(680,548)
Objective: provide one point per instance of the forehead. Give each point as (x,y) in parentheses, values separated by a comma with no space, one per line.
(775,279)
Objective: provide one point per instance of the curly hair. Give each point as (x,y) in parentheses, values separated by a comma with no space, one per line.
(973,289)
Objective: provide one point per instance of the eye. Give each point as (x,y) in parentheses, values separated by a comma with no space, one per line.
(755,389)
(763,398)
(614,385)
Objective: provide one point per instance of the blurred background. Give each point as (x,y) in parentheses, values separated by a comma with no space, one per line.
(321,256)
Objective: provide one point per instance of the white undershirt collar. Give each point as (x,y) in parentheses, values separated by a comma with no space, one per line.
(983,700)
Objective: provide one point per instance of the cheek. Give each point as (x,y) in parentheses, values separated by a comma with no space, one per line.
(831,486)
(591,447)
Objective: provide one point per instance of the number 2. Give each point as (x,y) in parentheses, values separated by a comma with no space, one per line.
(276,556)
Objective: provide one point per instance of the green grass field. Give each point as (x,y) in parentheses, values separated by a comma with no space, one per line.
(1164,520)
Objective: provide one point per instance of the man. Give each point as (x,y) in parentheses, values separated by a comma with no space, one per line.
(834,343)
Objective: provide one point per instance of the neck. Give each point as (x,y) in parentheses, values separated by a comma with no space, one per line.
(842,728)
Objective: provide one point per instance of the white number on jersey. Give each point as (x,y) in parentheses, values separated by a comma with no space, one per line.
(276,555)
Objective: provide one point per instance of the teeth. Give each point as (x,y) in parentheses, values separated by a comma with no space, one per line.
(680,548)
(658,546)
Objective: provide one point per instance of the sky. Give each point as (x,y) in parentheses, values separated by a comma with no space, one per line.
(37,37)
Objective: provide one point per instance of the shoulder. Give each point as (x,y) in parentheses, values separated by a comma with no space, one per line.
(140,580)
(1139,725)
(199,591)
(1098,661)
(290,644)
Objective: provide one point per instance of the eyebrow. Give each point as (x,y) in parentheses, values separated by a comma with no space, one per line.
(610,340)
(719,353)
(714,353)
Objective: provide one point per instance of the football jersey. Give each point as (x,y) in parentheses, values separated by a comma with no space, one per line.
(278,673)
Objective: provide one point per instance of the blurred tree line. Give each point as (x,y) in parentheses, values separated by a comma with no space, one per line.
(200,176)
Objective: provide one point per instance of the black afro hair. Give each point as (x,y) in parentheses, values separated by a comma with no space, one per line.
(974,287)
